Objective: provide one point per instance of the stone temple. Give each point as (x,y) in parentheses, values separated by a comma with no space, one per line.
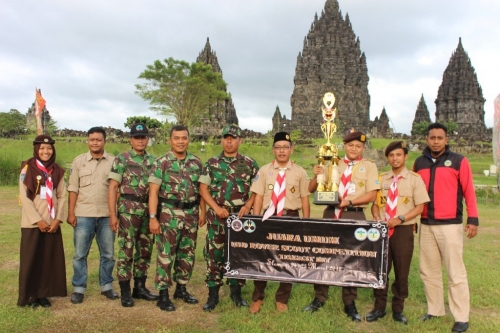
(421,115)
(460,97)
(331,61)
(223,112)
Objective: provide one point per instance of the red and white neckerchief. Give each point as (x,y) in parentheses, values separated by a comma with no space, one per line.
(278,196)
(344,182)
(392,202)
(50,187)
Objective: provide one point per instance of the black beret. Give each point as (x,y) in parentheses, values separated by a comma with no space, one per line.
(282,136)
(396,145)
(43,139)
(360,136)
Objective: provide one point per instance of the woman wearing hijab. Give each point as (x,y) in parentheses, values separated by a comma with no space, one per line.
(42,271)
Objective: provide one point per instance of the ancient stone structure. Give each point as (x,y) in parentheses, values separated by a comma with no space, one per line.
(223,112)
(331,61)
(380,127)
(460,97)
(31,118)
(421,115)
(280,123)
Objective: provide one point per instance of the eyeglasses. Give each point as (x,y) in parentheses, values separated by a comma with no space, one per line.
(282,147)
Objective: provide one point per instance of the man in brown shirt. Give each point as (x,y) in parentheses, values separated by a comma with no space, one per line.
(89,215)
(361,190)
(296,198)
(412,196)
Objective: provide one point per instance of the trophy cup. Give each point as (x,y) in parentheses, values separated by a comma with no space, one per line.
(327,192)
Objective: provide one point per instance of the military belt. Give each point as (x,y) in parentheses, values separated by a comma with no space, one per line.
(131,197)
(180,204)
(289,212)
(233,209)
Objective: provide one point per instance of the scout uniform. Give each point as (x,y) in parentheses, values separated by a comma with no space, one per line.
(296,188)
(411,192)
(178,209)
(131,171)
(364,179)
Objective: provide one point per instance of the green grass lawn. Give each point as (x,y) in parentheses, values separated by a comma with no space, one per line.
(97,314)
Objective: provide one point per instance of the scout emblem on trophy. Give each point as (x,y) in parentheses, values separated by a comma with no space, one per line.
(327,192)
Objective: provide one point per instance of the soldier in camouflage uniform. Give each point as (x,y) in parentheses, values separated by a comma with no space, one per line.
(129,177)
(225,185)
(174,195)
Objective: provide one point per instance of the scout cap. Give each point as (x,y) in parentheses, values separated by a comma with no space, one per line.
(396,145)
(282,136)
(42,138)
(232,130)
(360,136)
(139,130)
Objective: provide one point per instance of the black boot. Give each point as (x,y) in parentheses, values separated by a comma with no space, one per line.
(126,297)
(164,302)
(181,292)
(213,299)
(140,290)
(236,295)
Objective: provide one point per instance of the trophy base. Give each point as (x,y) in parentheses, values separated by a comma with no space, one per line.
(326,198)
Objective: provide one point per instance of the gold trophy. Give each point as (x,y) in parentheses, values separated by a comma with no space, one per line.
(327,192)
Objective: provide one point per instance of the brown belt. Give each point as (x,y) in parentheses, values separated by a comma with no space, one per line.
(354,209)
(289,212)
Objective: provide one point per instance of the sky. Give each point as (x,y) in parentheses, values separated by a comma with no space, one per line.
(86,56)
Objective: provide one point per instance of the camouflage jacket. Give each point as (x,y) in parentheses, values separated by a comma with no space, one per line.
(229,178)
(178,179)
(131,171)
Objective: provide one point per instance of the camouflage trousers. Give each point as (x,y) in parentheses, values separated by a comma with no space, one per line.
(135,244)
(214,252)
(176,246)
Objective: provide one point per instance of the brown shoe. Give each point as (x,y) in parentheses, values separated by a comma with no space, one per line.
(255,307)
(282,307)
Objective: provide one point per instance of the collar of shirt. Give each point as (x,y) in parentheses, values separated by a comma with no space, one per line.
(403,173)
(89,157)
(171,156)
(134,154)
(230,159)
(277,166)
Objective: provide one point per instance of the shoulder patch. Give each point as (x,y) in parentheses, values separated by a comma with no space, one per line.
(23,173)
(368,160)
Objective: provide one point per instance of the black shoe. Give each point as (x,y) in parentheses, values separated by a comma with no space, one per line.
(213,299)
(76,298)
(126,296)
(236,296)
(314,306)
(399,317)
(182,293)
(460,327)
(374,315)
(351,312)
(110,294)
(44,302)
(140,290)
(426,317)
(164,302)
(33,305)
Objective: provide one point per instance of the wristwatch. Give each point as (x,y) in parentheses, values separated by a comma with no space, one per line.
(152,216)
(402,218)
(350,204)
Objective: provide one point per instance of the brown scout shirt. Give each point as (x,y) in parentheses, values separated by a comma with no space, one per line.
(364,178)
(296,184)
(36,210)
(411,192)
(89,179)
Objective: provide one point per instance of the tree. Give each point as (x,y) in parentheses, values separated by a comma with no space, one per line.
(12,123)
(421,127)
(182,90)
(148,121)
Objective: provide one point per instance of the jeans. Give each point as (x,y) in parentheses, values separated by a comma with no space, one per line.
(85,230)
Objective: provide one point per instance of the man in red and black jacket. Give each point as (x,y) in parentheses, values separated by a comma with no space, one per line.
(448,178)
